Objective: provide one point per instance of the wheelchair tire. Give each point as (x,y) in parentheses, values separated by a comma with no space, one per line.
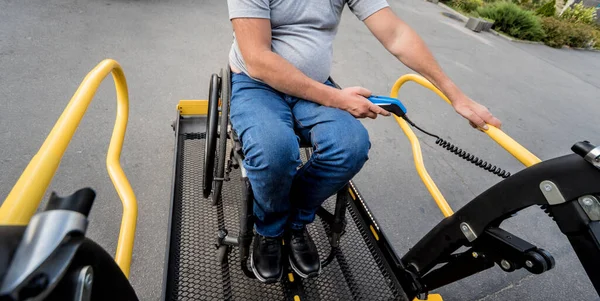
(211,135)
(222,145)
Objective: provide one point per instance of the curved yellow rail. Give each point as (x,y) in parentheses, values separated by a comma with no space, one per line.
(513,147)
(25,196)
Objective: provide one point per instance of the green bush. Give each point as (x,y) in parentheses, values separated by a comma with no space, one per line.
(546,10)
(579,14)
(581,36)
(530,4)
(466,5)
(538,3)
(513,20)
(556,32)
(561,32)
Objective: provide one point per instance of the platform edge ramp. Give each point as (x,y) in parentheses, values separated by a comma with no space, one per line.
(192,271)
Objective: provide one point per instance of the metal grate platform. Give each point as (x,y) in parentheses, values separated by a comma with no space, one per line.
(195,274)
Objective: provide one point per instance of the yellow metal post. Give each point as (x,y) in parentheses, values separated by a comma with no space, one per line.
(25,196)
(422,171)
(510,145)
(514,148)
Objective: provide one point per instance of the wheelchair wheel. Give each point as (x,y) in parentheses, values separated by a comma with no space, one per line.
(222,145)
(211,135)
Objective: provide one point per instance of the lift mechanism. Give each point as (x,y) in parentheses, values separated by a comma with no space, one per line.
(206,256)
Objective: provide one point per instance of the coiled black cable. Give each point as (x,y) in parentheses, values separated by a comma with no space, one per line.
(462,153)
(472,158)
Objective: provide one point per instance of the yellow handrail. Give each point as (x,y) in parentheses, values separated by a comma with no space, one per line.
(513,147)
(25,196)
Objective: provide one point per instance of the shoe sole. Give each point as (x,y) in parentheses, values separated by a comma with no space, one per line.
(259,277)
(305,276)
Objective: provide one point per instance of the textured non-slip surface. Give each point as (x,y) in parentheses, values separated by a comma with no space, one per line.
(195,273)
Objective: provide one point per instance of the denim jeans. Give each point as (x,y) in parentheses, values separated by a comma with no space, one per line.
(270,126)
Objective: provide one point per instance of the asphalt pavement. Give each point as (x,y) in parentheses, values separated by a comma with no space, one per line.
(547,99)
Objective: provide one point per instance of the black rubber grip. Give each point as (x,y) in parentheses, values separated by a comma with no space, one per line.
(81,201)
(582,148)
(394,109)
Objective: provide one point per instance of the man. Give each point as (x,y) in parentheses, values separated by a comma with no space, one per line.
(280,60)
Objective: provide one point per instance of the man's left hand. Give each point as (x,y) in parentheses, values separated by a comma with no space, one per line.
(478,115)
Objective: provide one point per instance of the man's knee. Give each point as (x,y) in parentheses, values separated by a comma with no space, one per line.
(271,148)
(356,146)
(347,145)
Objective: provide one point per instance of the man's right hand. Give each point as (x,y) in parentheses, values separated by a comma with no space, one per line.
(354,101)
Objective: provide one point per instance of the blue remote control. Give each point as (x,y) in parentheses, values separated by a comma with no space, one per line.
(392,105)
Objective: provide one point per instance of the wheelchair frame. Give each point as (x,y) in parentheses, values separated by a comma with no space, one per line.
(214,178)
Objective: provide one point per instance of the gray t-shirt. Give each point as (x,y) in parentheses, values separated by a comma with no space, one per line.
(302,31)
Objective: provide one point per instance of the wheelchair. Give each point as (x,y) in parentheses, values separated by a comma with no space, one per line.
(220,135)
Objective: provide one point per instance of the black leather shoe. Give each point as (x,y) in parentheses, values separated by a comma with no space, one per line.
(266,259)
(303,254)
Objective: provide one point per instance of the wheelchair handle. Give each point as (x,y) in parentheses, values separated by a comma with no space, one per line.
(390,104)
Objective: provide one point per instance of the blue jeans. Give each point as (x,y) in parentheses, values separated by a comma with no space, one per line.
(270,126)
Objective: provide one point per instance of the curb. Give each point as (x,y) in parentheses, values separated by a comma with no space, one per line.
(582,49)
(511,39)
(514,39)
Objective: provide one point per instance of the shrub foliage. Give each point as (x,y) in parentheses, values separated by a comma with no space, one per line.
(467,5)
(513,20)
(579,14)
(546,10)
(559,32)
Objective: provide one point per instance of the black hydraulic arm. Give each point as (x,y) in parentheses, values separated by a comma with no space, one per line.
(494,246)
(587,247)
(583,234)
(571,175)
